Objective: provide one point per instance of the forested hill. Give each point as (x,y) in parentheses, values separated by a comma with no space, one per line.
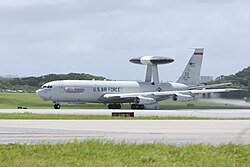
(30,84)
(239,80)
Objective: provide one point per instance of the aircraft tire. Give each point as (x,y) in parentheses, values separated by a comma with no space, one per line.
(114,106)
(119,106)
(57,106)
(110,106)
(137,107)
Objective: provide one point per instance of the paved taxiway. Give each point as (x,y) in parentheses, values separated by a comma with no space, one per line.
(136,131)
(215,113)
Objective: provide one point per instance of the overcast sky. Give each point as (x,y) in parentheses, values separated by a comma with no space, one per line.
(39,37)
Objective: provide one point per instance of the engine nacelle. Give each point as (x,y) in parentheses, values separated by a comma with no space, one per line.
(144,100)
(182,98)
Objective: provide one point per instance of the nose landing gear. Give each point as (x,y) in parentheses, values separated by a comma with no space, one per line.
(57,106)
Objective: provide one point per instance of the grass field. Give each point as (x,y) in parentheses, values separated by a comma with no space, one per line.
(32,101)
(100,117)
(97,153)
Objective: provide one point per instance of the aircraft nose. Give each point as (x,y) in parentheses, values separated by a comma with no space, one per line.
(38,92)
(41,93)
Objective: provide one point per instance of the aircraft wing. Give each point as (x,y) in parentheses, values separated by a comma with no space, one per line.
(194,92)
(158,96)
(210,86)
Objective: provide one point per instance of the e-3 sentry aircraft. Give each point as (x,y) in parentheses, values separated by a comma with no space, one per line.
(141,95)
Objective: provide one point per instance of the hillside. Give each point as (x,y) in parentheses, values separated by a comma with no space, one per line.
(239,80)
(31,84)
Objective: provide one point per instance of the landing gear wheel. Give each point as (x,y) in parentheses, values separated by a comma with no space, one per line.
(114,106)
(57,106)
(137,107)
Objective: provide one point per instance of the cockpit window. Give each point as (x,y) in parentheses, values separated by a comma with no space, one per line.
(44,87)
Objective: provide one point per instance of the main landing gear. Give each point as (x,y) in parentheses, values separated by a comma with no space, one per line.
(114,106)
(133,106)
(137,107)
(57,106)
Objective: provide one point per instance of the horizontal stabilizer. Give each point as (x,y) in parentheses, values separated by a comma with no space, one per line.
(210,86)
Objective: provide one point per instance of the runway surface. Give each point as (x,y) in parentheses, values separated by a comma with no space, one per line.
(136,131)
(214,113)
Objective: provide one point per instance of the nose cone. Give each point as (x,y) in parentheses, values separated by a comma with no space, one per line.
(41,93)
(37,92)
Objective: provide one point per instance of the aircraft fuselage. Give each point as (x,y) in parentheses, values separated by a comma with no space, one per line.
(88,91)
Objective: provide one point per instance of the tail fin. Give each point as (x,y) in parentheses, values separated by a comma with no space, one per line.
(191,74)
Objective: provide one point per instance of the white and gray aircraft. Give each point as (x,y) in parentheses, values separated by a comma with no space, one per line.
(141,95)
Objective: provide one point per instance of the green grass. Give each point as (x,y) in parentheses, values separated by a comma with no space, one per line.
(12,100)
(32,101)
(97,153)
(100,117)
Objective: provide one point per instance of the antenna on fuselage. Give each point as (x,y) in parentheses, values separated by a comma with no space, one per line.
(152,62)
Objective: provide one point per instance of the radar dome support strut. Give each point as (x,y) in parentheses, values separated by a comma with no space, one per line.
(148,73)
(152,62)
(155,74)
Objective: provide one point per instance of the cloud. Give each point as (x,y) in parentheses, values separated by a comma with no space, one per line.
(99,37)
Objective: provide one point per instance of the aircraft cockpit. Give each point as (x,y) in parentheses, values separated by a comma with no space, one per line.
(46,87)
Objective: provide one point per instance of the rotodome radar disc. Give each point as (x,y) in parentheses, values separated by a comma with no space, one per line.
(151,60)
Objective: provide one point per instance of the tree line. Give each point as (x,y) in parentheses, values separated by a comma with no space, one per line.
(239,80)
(31,84)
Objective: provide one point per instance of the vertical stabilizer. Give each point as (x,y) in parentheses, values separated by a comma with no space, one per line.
(191,74)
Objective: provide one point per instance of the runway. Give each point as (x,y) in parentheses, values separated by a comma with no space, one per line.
(136,131)
(214,113)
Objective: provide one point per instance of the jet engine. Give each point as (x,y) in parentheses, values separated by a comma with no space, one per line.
(144,100)
(182,98)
